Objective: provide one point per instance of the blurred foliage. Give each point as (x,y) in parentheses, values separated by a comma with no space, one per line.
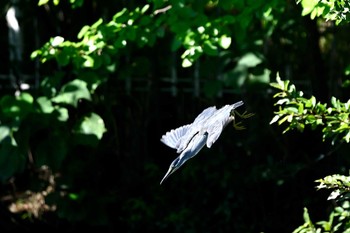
(339,218)
(333,10)
(338,221)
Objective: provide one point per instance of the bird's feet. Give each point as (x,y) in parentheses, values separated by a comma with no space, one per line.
(238,125)
(245,115)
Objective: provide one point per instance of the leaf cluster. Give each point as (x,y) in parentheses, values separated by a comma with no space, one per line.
(338,221)
(299,112)
(332,10)
(193,31)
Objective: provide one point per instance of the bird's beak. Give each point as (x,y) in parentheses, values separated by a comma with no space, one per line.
(171,170)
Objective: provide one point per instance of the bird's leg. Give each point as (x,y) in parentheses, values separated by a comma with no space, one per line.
(238,125)
(245,115)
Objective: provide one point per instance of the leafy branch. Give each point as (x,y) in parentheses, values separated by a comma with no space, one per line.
(99,43)
(299,111)
(339,218)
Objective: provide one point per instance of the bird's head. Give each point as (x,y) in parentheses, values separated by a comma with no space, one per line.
(176,164)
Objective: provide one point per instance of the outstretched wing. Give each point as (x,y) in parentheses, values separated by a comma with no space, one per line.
(205,114)
(172,137)
(214,131)
(196,126)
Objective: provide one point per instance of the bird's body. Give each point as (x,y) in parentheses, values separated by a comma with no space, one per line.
(189,139)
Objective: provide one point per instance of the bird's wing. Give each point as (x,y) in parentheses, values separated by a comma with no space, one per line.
(205,114)
(214,131)
(172,137)
(196,127)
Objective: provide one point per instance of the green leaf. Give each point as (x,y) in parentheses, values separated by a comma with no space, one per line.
(62,114)
(249,60)
(92,124)
(45,104)
(72,92)
(282,101)
(121,16)
(18,106)
(56,41)
(145,8)
(97,23)
(276,85)
(283,119)
(310,119)
(274,119)
(90,129)
(225,41)
(83,31)
(308,6)
(307,217)
(89,61)
(186,63)
(4,132)
(301,108)
(334,102)
(42,2)
(313,101)
(26,97)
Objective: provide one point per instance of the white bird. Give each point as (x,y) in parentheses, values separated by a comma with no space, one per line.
(189,139)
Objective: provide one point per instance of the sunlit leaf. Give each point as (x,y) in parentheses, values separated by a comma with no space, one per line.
(90,129)
(45,104)
(145,8)
(282,101)
(4,132)
(275,119)
(186,63)
(225,41)
(72,92)
(62,114)
(83,31)
(42,2)
(89,61)
(56,41)
(250,60)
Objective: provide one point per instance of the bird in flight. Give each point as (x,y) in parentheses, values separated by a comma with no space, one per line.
(189,139)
